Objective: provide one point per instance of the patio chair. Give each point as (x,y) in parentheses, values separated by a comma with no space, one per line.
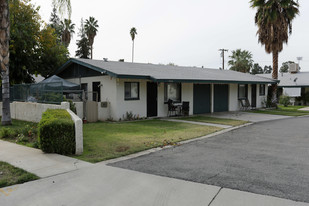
(245,104)
(185,108)
(171,108)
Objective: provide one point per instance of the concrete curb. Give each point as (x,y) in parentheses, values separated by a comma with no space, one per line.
(146,152)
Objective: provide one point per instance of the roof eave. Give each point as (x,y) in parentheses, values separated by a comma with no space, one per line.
(215,81)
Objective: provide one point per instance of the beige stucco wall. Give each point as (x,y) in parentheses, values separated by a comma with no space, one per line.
(233,97)
(108,94)
(259,98)
(137,107)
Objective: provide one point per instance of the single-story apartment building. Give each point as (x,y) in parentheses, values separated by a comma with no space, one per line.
(144,89)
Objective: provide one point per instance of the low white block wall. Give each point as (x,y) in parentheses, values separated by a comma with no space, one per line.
(29,111)
(79,109)
(78,132)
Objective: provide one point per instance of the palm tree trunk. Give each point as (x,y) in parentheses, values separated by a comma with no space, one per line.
(132,51)
(91,50)
(275,76)
(4,61)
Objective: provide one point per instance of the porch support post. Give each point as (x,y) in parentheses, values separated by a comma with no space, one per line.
(212,98)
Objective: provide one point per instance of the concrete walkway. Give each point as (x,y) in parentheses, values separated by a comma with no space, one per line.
(37,162)
(248,116)
(105,185)
(198,123)
(304,109)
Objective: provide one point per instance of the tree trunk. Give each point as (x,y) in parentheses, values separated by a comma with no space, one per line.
(132,51)
(4,61)
(91,50)
(274,99)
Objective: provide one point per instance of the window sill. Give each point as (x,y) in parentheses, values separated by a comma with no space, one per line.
(131,99)
(173,102)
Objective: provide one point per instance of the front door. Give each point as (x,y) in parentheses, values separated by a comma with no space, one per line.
(152,105)
(253,95)
(201,98)
(221,97)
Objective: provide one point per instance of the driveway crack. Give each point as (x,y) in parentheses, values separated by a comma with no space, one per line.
(215,196)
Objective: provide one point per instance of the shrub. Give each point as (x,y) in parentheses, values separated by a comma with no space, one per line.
(57,132)
(284,100)
(72,105)
(6,132)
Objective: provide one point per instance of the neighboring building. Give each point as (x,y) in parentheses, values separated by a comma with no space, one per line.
(294,84)
(144,89)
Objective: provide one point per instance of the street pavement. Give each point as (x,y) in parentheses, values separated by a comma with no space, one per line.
(268,158)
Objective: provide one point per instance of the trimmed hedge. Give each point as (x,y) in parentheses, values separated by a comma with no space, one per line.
(57,132)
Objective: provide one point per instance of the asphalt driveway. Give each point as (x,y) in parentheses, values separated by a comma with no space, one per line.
(269,158)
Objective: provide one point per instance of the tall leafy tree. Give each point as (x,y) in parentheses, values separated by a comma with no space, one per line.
(285,66)
(241,61)
(68,29)
(55,23)
(91,29)
(53,54)
(4,56)
(83,48)
(133,33)
(257,69)
(268,69)
(24,44)
(274,20)
(32,50)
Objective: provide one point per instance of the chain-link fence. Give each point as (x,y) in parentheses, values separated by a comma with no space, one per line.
(41,92)
(51,93)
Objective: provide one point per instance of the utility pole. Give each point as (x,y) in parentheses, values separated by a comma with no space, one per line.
(222,55)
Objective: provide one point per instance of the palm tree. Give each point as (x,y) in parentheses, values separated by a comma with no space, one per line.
(4,55)
(274,21)
(241,61)
(91,28)
(133,33)
(67,28)
(63,6)
(4,62)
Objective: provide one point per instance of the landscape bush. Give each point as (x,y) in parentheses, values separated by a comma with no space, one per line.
(284,100)
(57,132)
(6,133)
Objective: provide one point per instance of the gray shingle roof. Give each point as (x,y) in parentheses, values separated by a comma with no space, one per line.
(165,73)
(300,79)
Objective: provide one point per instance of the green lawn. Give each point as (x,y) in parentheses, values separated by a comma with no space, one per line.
(286,111)
(106,140)
(10,175)
(214,120)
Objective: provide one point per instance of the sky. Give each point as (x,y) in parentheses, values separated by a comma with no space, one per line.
(186,33)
